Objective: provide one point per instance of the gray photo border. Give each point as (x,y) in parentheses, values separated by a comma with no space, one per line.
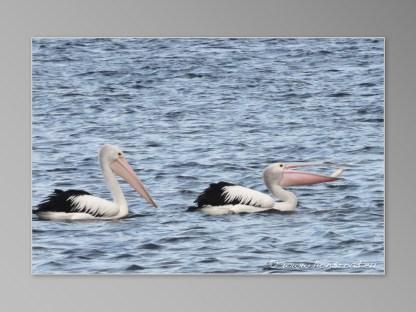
(21,20)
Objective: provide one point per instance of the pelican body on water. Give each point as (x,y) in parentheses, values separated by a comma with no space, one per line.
(224,197)
(79,204)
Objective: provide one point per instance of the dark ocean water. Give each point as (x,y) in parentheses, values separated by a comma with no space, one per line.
(188,112)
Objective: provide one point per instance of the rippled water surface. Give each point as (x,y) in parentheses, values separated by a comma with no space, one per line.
(188,112)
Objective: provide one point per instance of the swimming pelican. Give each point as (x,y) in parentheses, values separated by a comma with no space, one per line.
(223,197)
(78,205)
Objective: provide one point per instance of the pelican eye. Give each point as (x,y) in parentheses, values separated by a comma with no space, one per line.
(119,154)
(281,165)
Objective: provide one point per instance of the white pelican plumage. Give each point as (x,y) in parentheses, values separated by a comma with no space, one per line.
(223,197)
(77,204)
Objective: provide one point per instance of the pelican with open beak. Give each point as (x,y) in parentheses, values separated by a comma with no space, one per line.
(78,204)
(223,197)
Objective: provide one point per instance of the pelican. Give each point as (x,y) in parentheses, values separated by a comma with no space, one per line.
(224,198)
(79,205)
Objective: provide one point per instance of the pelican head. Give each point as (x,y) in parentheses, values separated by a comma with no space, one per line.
(113,157)
(287,175)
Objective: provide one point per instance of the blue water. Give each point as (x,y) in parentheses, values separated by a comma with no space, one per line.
(188,112)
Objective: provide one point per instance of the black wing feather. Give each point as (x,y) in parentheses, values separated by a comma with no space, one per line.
(214,196)
(58,201)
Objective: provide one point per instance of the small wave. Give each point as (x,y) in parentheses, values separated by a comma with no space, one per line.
(225,271)
(186,178)
(72,94)
(135,267)
(351,198)
(136,215)
(317,247)
(172,222)
(339,94)
(57,60)
(372,252)
(349,242)
(96,253)
(367,84)
(188,192)
(325,52)
(321,211)
(194,75)
(379,203)
(106,73)
(367,149)
(123,256)
(331,234)
(153,144)
(260,251)
(208,260)
(342,187)
(61,169)
(54,263)
(177,239)
(294,250)
(151,246)
(174,114)
(371,119)
(39,248)
(138,86)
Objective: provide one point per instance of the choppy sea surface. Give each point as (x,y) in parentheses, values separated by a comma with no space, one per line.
(189,112)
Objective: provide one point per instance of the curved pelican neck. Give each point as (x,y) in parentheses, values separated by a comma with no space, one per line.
(114,187)
(288,199)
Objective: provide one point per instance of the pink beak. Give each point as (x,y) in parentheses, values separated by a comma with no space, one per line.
(122,168)
(294,177)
